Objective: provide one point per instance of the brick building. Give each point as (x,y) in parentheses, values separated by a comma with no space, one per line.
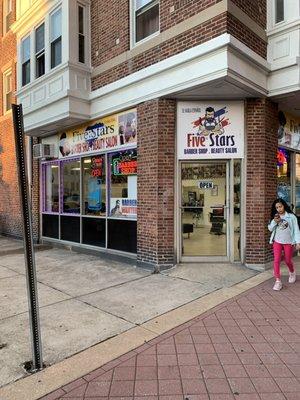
(10,222)
(165,127)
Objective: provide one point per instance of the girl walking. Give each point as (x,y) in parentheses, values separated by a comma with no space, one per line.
(285,234)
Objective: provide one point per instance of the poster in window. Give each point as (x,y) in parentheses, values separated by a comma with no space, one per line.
(123,207)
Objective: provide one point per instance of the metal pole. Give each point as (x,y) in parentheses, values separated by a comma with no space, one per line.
(34,321)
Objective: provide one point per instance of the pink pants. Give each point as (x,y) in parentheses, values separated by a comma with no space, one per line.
(288,253)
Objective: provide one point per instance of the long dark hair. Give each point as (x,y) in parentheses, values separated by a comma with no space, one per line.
(287,208)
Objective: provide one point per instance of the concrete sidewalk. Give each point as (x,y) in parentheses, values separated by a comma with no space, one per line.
(10,245)
(247,348)
(85,300)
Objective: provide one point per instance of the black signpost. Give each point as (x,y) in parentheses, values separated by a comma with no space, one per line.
(34,321)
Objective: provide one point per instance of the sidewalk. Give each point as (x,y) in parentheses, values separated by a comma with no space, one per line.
(9,245)
(87,299)
(247,348)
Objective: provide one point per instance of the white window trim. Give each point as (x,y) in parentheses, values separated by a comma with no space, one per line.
(4,76)
(34,48)
(84,32)
(49,42)
(29,35)
(274,13)
(6,12)
(133,43)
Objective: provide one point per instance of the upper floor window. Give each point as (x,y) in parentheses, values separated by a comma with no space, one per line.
(279,11)
(7,15)
(25,55)
(40,51)
(7,90)
(81,35)
(146,13)
(55,38)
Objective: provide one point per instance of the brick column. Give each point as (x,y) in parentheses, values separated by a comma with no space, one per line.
(261,180)
(156,158)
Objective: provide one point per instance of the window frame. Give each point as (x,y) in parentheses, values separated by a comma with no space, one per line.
(7,12)
(133,24)
(275,12)
(83,34)
(40,53)
(24,63)
(5,75)
(56,39)
(82,216)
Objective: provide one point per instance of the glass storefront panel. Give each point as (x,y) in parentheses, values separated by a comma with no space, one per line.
(122,235)
(237,210)
(51,188)
(93,231)
(70,228)
(94,185)
(70,183)
(284,175)
(50,226)
(65,181)
(297,186)
(123,184)
(203,209)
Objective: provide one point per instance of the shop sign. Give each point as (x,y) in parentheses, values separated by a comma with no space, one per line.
(114,132)
(125,165)
(205,185)
(210,130)
(123,207)
(289,130)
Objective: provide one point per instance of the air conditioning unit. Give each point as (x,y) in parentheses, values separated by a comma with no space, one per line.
(43,151)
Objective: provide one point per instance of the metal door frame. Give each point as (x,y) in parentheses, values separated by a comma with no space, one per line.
(229,208)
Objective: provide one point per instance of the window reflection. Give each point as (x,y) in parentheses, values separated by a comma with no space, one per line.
(71,186)
(284,175)
(94,189)
(51,200)
(237,210)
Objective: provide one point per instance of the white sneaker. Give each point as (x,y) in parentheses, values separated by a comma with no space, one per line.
(277,285)
(292,277)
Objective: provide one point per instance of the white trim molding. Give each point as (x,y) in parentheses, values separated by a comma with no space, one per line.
(224,59)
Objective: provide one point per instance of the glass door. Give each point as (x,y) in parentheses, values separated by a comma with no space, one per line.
(204,210)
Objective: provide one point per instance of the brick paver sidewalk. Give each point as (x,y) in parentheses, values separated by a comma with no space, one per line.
(248,348)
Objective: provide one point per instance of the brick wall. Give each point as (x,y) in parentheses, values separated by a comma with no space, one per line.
(183,9)
(224,23)
(109,23)
(261,136)
(156,156)
(10,221)
(257,10)
(104,40)
(246,36)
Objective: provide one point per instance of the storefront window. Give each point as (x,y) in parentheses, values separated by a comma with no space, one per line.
(284,175)
(123,185)
(70,183)
(237,210)
(297,188)
(94,189)
(51,188)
